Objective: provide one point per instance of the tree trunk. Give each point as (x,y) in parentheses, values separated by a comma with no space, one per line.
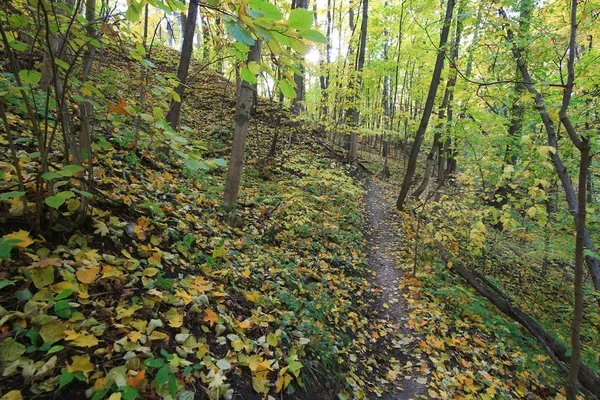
(242,115)
(324,79)
(435,81)
(351,156)
(298,102)
(184,62)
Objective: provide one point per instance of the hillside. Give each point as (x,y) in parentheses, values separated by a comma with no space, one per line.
(160,294)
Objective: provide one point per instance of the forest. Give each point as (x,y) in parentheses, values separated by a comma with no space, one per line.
(299,199)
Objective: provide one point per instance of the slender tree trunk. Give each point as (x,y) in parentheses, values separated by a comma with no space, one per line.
(351,156)
(445,151)
(324,79)
(143,77)
(242,115)
(298,102)
(435,81)
(184,63)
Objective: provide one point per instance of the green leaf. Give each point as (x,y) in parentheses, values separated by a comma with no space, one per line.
(30,76)
(55,349)
(11,195)
(6,282)
(133,12)
(59,199)
(61,63)
(220,162)
(186,395)
(69,170)
(18,46)
(254,67)
(55,201)
(84,193)
(191,165)
(130,393)
(162,376)
(62,308)
(154,362)
(300,19)
(314,36)
(65,379)
(299,46)
(287,89)
(269,10)
(5,249)
(51,175)
(241,47)
(248,76)
(239,33)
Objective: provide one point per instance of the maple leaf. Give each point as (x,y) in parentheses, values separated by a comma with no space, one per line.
(134,381)
(210,316)
(120,108)
(101,228)
(86,340)
(253,296)
(245,325)
(81,364)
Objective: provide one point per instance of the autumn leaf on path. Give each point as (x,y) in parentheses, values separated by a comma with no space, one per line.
(210,316)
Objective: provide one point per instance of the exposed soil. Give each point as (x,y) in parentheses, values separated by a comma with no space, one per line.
(383,241)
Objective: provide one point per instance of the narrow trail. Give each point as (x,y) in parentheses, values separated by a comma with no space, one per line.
(399,350)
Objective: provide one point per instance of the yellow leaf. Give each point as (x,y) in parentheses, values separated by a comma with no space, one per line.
(86,340)
(150,272)
(156,335)
(253,297)
(391,375)
(13,395)
(115,396)
(210,316)
(88,275)
(185,296)
(245,325)
(81,364)
(22,236)
(71,334)
(385,305)
(134,336)
(174,318)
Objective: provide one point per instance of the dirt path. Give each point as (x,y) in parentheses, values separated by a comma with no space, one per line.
(398,351)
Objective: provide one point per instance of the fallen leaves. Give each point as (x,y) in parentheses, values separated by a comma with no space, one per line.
(88,275)
(210,316)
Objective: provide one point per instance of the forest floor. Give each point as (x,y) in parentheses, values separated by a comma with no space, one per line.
(383,241)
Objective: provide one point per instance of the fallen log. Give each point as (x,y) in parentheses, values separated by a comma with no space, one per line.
(589,382)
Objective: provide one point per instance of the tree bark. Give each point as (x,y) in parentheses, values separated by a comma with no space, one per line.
(351,156)
(242,115)
(184,62)
(435,81)
(298,102)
